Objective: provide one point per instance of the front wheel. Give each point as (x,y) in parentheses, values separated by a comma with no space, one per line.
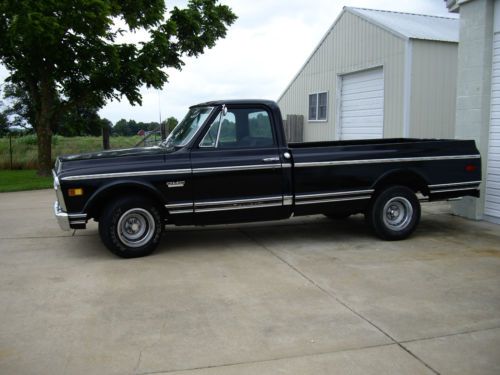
(131,227)
(395,213)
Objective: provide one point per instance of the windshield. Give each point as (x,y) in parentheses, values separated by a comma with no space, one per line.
(187,128)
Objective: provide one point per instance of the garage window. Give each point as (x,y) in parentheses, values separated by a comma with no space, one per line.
(318,106)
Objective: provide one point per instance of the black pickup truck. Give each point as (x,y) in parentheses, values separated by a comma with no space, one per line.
(228,161)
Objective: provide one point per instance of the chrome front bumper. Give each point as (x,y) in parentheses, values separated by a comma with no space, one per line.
(61,216)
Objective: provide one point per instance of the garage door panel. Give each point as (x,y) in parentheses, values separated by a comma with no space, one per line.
(359,87)
(349,137)
(495,142)
(371,94)
(369,120)
(494,150)
(495,193)
(493,199)
(494,186)
(492,208)
(492,196)
(362,105)
(492,178)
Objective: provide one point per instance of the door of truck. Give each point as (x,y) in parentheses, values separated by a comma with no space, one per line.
(237,170)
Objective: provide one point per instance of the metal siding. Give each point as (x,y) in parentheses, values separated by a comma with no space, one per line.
(492,198)
(433,89)
(352,45)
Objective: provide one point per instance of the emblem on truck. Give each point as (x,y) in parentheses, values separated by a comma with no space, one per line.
(173,184)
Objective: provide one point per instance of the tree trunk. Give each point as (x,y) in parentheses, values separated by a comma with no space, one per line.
(105,137)
(44,135)
(44,118)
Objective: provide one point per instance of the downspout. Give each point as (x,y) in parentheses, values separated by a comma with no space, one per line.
(407,88)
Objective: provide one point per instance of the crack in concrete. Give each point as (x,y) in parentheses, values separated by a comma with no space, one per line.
(450,334)
(139,357)
(332,295)
(264,360)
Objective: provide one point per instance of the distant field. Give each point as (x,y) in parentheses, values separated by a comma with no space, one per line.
(24,155)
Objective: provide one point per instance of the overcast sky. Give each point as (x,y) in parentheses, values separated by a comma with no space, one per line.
(262,52)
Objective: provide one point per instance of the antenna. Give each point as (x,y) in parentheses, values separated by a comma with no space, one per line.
(159,105)
(162,130)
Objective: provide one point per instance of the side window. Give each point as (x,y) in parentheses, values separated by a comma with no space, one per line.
(240,128)
(210,139)
(228,130)
(260,125)
(318,106)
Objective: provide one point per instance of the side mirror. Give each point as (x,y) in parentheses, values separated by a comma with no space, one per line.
(224,109)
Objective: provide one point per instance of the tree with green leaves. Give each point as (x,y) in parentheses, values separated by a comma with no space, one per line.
(66,53)
(4,122)
(171,123)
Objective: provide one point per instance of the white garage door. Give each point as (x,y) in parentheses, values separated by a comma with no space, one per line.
(362,105)
(492,204)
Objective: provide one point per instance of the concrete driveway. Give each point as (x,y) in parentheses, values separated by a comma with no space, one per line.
(304,296)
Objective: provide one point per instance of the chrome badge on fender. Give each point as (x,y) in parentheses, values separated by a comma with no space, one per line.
(173,184)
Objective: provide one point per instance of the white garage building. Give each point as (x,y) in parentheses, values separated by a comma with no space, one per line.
(378,74)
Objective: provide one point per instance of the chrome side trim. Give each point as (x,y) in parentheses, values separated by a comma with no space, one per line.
(287,200)
(334,194)
(387,160)
(126,174)
(437,191)
(238,201)
(174,212)
(455,184)
(174,205)
(317,201)
(237,168)
(285,165)
(214,209)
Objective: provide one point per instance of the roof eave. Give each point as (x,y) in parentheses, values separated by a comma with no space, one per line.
(312,54)
(454,5)
(374,22)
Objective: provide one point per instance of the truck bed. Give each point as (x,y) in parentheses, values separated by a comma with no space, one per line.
(364,142)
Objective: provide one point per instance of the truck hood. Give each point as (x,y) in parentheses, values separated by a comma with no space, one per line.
(111,161)
(137,151)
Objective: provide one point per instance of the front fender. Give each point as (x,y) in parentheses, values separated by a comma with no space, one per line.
(121,187)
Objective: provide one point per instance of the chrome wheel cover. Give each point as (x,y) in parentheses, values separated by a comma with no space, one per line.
(397,213)
(136,227)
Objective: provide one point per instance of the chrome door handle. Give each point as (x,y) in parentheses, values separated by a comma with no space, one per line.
(269,160)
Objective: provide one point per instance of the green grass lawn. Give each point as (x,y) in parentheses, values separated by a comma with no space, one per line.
(24,158)
(23,180)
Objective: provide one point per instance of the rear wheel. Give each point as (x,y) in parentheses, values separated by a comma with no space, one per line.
(131,227)
(395,213)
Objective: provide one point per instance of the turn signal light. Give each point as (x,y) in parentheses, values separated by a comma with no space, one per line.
(75,192)
(470,168)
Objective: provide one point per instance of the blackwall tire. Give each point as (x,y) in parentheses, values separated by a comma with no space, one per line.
(395,213)
(131,227)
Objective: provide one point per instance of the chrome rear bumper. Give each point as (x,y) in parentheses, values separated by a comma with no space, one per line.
(61,216)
